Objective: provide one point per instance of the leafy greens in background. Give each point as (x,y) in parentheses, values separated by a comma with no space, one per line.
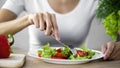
(109,11)
(106,7)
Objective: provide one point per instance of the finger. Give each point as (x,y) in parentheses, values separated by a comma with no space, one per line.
(55,27)
(110,47)
(30,18)
(104,48)
(116,52)
(41,22)
(35,20)
(48,24)
(117,43)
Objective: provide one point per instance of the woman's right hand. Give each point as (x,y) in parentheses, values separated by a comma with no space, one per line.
(45,22)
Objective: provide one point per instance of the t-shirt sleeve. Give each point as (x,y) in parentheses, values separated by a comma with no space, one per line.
(16,6)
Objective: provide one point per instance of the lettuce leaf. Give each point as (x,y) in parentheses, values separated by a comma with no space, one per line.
(47,51)
(66,50)
(119,21)
(84,48)
(110,24)
(91,53)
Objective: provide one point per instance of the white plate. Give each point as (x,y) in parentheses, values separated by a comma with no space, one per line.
(98,55)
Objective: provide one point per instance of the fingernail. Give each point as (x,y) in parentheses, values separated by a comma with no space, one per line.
(105,57)
(57,37)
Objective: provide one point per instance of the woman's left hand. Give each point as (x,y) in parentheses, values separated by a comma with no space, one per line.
(111,51)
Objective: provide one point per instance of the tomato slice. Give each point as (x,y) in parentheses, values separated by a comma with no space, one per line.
(86,53)
(58,50)
(60,55)
(39,55)
(82,53)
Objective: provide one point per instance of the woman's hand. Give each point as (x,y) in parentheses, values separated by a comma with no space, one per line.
(111,51)
(45,22)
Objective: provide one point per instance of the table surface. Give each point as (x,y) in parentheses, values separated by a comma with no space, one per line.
(36,63)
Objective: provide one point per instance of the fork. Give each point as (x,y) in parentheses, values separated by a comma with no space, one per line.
(72,49)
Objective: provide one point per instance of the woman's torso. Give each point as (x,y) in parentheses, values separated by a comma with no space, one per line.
(73,26)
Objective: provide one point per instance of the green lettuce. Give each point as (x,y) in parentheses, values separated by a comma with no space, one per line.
(66,50)
(119,21)
(47,51)
(90,52)
(112,25)
(84,48)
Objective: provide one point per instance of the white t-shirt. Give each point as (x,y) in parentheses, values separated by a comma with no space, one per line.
(73,26)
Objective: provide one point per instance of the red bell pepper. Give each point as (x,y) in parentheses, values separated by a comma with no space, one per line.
(5,45)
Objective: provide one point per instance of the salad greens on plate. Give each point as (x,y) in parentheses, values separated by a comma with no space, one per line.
(65,53)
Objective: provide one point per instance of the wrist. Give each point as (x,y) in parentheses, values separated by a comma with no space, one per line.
(29,19)
(25,21)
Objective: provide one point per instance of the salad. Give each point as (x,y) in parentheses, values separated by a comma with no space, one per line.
(65,53)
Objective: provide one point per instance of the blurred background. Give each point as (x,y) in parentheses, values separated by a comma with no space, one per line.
(94,40)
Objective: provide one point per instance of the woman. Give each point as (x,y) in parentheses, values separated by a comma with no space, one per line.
(67,20)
